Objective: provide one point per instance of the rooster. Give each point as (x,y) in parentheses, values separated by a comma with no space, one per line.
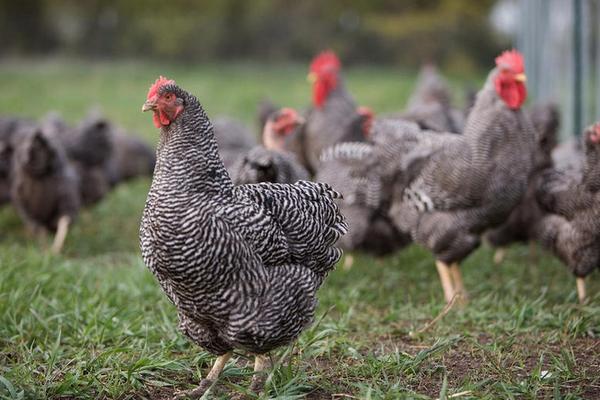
(572,229)
(333,117)
(271,162)
(242,264)
(468,183)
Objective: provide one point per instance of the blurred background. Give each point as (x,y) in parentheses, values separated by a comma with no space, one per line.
(558,37)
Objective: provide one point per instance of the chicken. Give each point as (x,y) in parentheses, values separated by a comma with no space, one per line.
(131,157)
(233,139)
(333,117)
(352,169)
(430,104)
(44,187)
(242,264)
(89,147)
(572,229)
(270,162)
(521,225)
(468,183)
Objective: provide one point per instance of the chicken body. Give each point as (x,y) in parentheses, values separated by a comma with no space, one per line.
(430,104)
(44,187)
(242,264)
(521,225)
(465,183)
(572,228)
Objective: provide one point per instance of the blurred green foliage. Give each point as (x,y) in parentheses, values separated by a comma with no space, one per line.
(454,33)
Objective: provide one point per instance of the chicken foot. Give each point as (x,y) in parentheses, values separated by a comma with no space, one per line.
(499,255)
(207,382)
(459,287)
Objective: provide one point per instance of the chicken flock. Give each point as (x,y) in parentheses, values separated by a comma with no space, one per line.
(240,239)
(50,170)
(240,235)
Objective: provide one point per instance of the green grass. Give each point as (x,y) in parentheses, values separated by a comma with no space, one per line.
(93,324)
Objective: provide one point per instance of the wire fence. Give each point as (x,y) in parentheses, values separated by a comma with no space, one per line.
(561,43)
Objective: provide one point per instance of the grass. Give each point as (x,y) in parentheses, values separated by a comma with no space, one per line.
(93,324)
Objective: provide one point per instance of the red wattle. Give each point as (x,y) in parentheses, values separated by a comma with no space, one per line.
(513,93)
(319,93)
(156,120)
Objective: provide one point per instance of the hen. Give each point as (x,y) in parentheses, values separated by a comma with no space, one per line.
(44,186)
(430,104)
(572,230)
(468,183)
(242,264)
(271,162)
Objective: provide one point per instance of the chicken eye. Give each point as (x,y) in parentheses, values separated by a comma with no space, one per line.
(168,96)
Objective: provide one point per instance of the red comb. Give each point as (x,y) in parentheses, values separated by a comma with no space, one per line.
(511,59)
(325,60)
(161,81)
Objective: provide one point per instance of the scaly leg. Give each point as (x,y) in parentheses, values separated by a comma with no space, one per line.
(459,287)
(61,233)
(581,290)
(261,363)
(499,255)
(207,382)
(446,280)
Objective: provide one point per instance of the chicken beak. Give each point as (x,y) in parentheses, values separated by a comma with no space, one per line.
(311,77)
(149,105)
(521,78)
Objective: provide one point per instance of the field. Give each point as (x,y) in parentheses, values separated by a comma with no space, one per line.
(93,324)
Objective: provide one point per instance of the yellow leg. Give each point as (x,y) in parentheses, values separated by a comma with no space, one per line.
(446,280)
(61,233)
(581,289)
(459,287)
(207,382)
(499,255)
(261,363)
(348,262)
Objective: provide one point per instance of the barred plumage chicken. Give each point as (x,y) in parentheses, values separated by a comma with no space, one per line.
(271,162)
(472,181)
(572,229)
(242,264)
(521,225)
(354,169)
(333,117)
(430,104)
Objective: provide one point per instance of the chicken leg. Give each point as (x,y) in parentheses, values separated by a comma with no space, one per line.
(499,255)
(61,233)
(581,289)
(207,382)
(457,282)
(446,280)
(348,262)
(261,363)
